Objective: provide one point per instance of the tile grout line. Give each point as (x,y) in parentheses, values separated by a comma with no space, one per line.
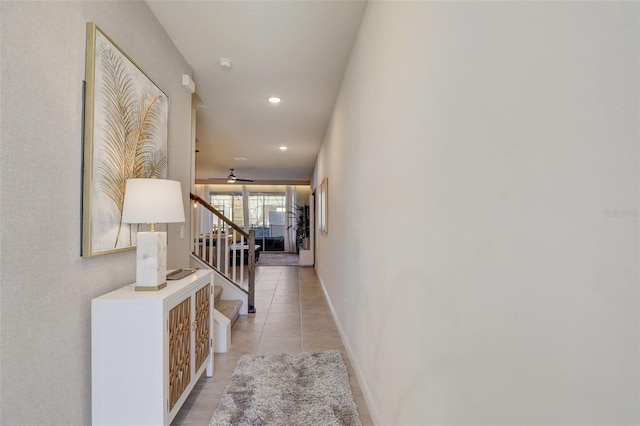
(257,346)
(300,312)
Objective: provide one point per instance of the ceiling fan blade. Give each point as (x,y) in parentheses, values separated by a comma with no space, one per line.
(231,178)
(226,180)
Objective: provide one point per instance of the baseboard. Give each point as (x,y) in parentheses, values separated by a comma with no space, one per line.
(368,398)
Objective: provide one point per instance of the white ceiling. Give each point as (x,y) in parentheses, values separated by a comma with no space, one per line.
(296,50)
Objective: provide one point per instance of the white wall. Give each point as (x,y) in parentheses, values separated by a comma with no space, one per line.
(504,138)
(46,286)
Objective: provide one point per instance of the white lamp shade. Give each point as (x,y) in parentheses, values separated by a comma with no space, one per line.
(152,201)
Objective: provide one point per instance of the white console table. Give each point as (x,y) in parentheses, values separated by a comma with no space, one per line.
(148,350)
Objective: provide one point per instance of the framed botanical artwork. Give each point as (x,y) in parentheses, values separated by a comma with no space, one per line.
(125,136)
(323,213)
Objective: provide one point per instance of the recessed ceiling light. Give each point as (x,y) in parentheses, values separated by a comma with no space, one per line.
(274,100)
(283,148)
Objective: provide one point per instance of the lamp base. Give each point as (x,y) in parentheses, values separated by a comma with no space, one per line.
(151,261)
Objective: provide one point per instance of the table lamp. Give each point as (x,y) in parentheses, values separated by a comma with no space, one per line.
(152,201)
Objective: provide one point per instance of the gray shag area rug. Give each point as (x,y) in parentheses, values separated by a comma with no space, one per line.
(278,259)
(310,388)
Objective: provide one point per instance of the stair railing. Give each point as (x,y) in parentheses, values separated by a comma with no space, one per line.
(224,246)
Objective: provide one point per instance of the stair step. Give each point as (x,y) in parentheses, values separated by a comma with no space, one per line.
(229,308)
(217,293)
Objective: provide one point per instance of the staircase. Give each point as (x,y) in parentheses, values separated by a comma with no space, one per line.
(228,308)
(225,314)
(222,246)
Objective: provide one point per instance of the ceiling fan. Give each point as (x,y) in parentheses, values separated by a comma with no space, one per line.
(233,179)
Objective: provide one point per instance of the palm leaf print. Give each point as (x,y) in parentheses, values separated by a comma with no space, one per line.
(132,122)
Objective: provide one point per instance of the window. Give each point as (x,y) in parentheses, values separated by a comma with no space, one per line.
(267,215)
(229,204)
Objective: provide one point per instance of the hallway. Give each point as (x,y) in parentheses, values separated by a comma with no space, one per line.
(292,316)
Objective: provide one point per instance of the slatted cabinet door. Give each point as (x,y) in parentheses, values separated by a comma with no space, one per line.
(190,342)
(202,326)
(179,350)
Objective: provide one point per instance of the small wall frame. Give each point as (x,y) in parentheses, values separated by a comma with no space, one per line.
(323,204)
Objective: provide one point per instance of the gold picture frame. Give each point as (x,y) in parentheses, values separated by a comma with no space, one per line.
(323,214)
(125,136)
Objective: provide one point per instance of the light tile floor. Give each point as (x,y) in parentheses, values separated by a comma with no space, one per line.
(292,316)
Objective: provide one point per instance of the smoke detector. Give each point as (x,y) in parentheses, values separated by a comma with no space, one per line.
(225,63)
